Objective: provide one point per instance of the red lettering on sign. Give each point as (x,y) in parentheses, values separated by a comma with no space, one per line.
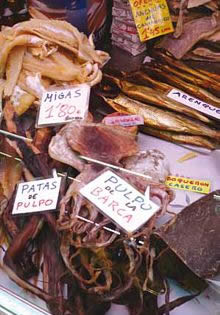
(96,191)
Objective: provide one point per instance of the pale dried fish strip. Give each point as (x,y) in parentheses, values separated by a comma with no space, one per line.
(47,67)
(63,34)
(186,157)
(13,69)
(32,83)
(18,41)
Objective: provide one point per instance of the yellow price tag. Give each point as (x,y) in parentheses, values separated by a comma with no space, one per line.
(194,185)
(152,18)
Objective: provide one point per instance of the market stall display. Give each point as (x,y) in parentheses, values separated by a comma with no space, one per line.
(86,183)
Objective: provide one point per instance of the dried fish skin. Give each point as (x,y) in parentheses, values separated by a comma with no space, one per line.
(158,118)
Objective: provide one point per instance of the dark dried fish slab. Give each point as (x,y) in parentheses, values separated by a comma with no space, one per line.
(194,235)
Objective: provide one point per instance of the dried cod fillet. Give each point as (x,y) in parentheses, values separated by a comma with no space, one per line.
(49,68)
(21,100)
(13,69)
(32,83)
(63,34)
(18,41)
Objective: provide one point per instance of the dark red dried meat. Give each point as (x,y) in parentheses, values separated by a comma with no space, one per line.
(101,142)
(194,236)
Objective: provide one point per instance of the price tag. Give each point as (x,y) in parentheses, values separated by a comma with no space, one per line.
(194,185)
(195,103)
(127,120)
(118,200)
(64,105)
(152,18)
(37,196)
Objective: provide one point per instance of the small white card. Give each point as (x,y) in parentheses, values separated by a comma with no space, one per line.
(118,200)
(125,120)
(37,196)
(64,105)
(194,103)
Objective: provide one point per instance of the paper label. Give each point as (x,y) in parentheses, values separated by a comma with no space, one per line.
(37,196)
(152,18)
(118,200)
(127,120)
(64,105)
(194,185)
(194,103)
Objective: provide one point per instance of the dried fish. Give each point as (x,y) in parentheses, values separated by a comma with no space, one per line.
(190,75)
(158,118)
(196,91)
(180,138)
(155,97)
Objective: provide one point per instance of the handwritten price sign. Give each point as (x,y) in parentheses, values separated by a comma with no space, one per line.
(37,196)
(64,105)
(152,18)
(119,201)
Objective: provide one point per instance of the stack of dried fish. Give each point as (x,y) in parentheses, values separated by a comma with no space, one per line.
(197,32)
(164,117)
(38,54)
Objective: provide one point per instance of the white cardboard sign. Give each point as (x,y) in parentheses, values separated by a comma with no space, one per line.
(125,120)
(64,105)
(194,103)
(37,196)
(118,200)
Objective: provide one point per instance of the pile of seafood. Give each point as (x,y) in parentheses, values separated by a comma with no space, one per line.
(39,54)
(197,30)
(74,258)
(94,263)
(145,92)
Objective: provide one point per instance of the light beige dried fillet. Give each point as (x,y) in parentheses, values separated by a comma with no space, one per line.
(63,34)
(24,102)
(8,45)
(27,83)
(49,68)
(186,157)
(13,69)
(44,51)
